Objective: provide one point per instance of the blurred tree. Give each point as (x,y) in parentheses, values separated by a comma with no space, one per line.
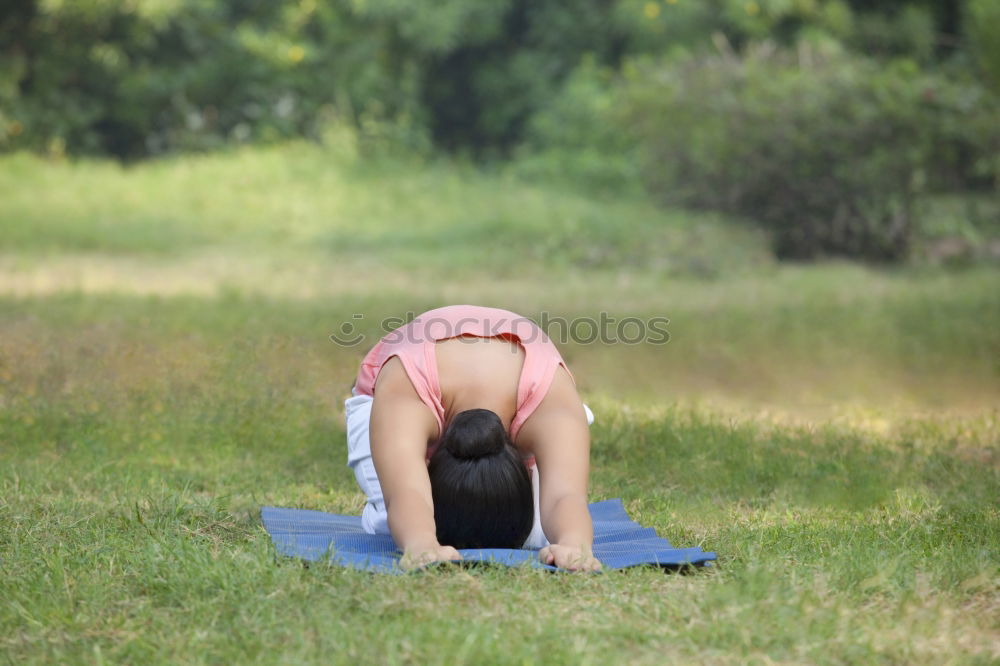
(827,151)
(480,94)
(139,77)
(982,25)
(905,26)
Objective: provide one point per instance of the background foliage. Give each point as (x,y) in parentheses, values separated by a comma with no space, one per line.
(136,77)
(827,151)
(166,366)
(857,108)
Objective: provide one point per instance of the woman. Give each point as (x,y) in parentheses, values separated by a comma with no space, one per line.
(465,430)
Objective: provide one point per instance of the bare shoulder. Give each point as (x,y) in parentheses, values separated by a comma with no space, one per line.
(560,408)
(392,381)
(397,404)
(562,397)
(558,436)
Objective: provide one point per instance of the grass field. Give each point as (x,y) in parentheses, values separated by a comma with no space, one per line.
(831,431)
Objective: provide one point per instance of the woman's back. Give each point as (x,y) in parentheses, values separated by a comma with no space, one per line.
(450,392)
(479,372)
(464,357)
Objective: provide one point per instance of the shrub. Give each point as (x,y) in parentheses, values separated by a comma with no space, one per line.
(981,21)
(134,77)
(579,137)
(827,151)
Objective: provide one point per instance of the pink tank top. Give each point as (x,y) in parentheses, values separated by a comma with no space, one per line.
(413,343)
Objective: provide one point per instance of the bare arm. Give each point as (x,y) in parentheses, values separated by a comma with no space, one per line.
(559,437)
(401,425)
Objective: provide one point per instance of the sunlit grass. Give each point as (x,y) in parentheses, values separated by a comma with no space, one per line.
(166,369)
(394,215)
(821,341)
(136,459)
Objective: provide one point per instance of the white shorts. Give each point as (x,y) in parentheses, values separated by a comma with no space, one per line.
(357,412)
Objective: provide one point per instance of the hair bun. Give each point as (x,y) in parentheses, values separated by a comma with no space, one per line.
(475,433)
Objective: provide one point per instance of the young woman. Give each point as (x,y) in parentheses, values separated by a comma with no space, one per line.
(465,430)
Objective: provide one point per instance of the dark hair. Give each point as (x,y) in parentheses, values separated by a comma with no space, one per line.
(481,488)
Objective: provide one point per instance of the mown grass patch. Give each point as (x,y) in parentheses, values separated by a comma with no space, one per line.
(133,544)
(141,436)
(404,215)
(829,430)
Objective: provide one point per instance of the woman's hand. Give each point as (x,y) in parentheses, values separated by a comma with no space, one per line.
(421,556)
(573,558)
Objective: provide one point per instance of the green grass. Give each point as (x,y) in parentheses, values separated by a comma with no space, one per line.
(336,209)
(830,431)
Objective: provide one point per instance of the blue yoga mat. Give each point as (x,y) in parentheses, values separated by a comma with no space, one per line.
(618,542)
